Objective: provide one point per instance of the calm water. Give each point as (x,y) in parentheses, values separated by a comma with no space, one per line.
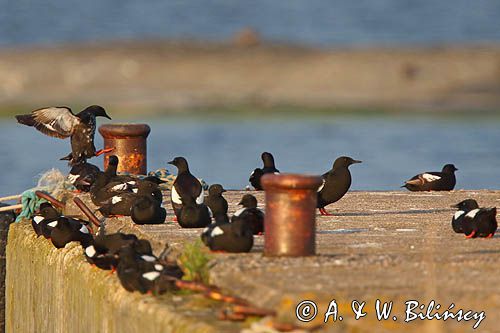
(319,22)
(392,150)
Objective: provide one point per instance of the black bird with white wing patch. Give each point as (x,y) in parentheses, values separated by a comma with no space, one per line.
(250,214)
(185,185)
(60,122)
(433,181)
(336,183)
(257,174)
(465,206)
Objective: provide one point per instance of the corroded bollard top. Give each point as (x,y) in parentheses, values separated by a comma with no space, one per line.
(290,221)
(130,143)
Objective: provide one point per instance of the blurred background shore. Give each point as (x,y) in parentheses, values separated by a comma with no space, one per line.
(404,86)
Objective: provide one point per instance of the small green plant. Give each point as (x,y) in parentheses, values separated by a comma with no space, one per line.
(194,262)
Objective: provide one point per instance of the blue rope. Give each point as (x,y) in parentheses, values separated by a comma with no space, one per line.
(30,204)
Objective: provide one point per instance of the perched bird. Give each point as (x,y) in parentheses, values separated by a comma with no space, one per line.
(250,214)
(147,210)
(121,204)
(464,207)
(103,252)
(257,174)
(192,214)
(232,237)
(480,222)
(433,181)
(66,230)
(215,201)
(60,122)
(83,175)
(185,185)
(40,222)
(336,183)
(107,185)
(137,274)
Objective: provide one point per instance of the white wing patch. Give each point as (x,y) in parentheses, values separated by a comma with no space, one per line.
(217,232)
(458,214)
(239,211)
(210,212)
(120,187)
(151,275)
(90,251)
(132,182)
(472,213)
(430,178)
(176,198)
(322,185)
(148,258)
(52,224)
(73,178)
(84,229)
(38,219)
(135,190)
(159,267)
(115,200)
(201,197)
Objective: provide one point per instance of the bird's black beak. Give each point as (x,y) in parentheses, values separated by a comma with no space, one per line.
(223,190)
(356,161)
(240,203)
(171,162)
(108,117)
(454,206)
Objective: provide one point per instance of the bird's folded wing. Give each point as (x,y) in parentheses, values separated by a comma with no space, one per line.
(58,122)
(430,177)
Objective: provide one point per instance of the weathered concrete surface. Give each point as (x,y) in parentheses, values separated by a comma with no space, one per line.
(379,245)
(50,290)
(168,75)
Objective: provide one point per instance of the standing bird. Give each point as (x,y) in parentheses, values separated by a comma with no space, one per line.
(257,174)
(60,122)
(185,185)
(215,201)
(250,214)
(480,222)
(336,183)
(433,181)
(457,222)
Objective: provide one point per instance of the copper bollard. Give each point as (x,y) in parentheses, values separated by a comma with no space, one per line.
(130,143)
(290,221)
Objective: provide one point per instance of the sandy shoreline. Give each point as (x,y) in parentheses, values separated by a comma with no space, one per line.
(173,76)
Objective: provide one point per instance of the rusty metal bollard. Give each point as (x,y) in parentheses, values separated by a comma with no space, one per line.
(130,143)
(290,222)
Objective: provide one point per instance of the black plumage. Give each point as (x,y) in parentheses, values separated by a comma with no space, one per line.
(66,230)
(121,204)
(103,252)
(215,201)
(433,181)
(464,207)
(480,222)
(192,214)
(232,237)
(250,214)
(40,222)
(336,183)
(147,210)
(185,185)
(60,122)
(107,185)
(83,175)
(257,174)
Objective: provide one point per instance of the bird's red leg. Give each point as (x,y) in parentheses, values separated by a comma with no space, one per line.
(490,235)
(323,212)
(104,151)
(174,219)
(113,270)
(470,235)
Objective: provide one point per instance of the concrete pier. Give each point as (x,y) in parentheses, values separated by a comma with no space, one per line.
(391,246)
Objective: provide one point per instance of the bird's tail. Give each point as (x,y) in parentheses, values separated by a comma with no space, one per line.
(25,119)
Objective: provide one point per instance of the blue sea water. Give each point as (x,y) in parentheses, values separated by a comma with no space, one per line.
(392,150)
(315,22)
